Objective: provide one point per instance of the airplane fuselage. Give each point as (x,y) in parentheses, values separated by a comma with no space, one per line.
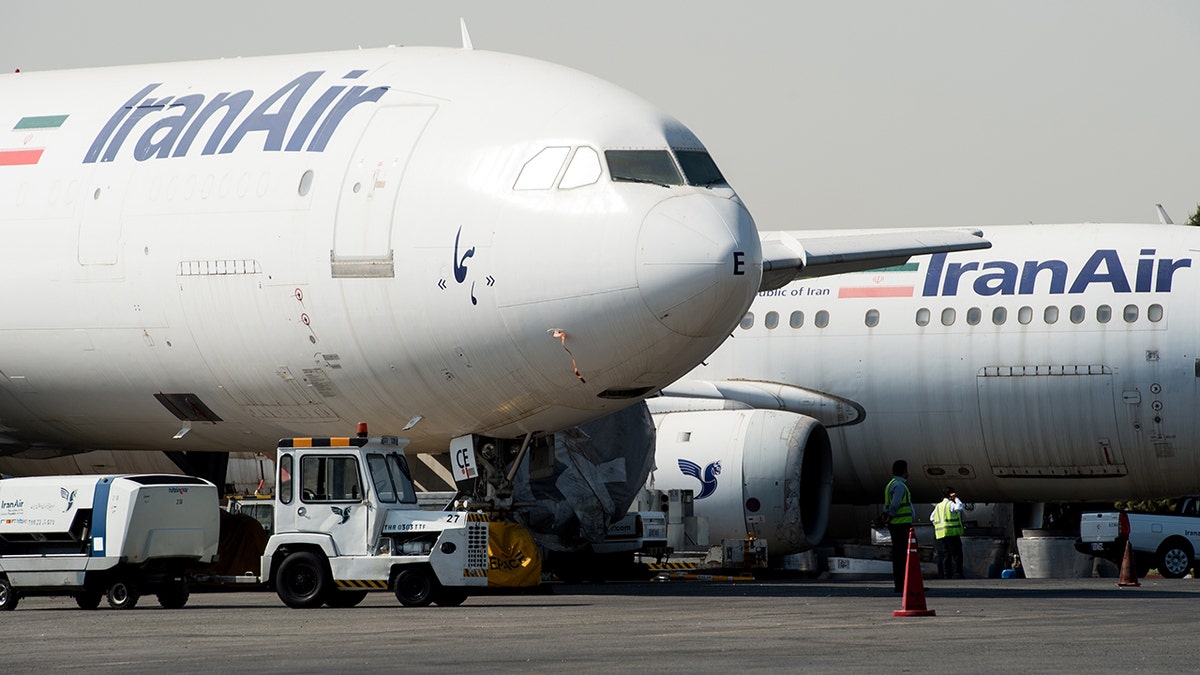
(427,239)
(1060,365)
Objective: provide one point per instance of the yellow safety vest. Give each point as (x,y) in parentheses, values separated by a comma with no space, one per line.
(904,512)
(946,523)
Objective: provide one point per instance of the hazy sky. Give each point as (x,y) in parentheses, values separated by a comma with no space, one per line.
(831,114)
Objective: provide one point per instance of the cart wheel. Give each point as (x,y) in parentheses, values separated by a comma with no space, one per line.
(302,582)
(173,597)
(415,587)
(8,595)
(122,595)
(88,599)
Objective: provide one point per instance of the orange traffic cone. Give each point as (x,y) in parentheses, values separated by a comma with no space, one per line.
(913,603)
(1128,568)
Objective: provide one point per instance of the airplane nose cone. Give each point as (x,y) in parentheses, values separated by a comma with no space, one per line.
(699,263)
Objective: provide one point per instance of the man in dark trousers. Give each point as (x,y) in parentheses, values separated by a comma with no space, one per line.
(899,518)
(948,530)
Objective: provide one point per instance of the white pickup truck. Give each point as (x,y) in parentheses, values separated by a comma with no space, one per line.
(1168,542)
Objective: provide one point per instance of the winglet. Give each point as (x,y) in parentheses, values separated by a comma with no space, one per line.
(1162,215)
(466,37)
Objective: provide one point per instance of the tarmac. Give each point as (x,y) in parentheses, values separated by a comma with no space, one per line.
(980,626)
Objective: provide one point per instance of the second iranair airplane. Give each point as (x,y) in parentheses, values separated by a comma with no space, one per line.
(457,246)
(1060,365)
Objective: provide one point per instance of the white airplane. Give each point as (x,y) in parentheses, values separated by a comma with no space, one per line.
(462,247)
(1042,370)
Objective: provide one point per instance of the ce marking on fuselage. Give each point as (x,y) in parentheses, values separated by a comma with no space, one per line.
(460,268)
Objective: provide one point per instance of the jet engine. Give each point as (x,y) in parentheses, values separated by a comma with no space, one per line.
(761,473)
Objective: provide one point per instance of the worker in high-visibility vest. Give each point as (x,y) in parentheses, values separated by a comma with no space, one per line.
(898,518)
(948,531)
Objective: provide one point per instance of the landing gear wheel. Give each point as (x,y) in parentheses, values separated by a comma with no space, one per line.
(1174,559)
(450,598)
(345,598)
(122,595)
(415,587)
(88,599)
(8,595)
(303,582)
(174,597)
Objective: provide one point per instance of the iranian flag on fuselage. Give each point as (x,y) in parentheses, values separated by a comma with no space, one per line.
(26,143)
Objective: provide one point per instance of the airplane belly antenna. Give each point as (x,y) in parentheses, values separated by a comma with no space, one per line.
(466,37)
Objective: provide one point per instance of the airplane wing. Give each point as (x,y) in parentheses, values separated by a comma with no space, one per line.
(799,254)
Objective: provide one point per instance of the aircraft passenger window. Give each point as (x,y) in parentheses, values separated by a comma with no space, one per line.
(923,317)
(1131,313)
(584,169)
(539,173)
(699,168)
(642,166)
(1154,313)
(796,320)
(748,321)
(974,315)
(1077,314)
(948,316)
(1104,313)
(822,319)
(771,320)
(1050,316)
(872,318)
(1025,315)
(999,316)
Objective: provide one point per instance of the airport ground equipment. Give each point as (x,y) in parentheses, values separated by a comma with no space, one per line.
(1166,541)
(347,522)
(93,537)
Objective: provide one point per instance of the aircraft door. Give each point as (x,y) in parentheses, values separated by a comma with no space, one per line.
(1050,421)
(362,236)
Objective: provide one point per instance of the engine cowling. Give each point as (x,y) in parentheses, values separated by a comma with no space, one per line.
(766,473)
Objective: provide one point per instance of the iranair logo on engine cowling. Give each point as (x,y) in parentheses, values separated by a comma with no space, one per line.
(154,124)
(708,480)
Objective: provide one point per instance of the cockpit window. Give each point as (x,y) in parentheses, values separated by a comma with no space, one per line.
(699,168)
(539,173)
(584,169)
(642,166)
